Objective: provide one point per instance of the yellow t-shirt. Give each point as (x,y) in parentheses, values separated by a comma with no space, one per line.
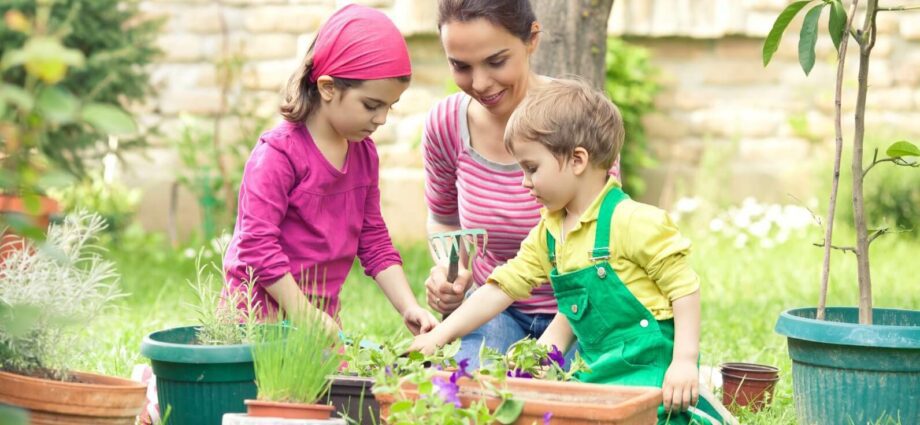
(648,254)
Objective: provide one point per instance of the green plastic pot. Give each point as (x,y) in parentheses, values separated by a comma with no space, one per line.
(199,382)
(844,372)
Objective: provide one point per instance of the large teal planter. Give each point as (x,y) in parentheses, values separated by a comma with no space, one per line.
(199,382)
(846,373)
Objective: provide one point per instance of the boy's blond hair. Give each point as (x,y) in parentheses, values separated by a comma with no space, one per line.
(566,114)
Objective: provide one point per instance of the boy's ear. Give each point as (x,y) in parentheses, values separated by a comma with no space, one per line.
(326,87)
(580,160)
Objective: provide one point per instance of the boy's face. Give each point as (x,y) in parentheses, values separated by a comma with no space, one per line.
(551,181)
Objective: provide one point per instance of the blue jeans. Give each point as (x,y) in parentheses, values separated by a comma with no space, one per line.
(508,327)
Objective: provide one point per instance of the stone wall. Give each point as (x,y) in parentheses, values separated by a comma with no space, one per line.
(723,121)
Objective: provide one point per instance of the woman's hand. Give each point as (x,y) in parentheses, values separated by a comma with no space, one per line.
(443,296)
(419,320)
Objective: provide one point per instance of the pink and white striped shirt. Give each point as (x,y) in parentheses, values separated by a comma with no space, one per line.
(464,188)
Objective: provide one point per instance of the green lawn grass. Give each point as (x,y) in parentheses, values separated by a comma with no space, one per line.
(744,290)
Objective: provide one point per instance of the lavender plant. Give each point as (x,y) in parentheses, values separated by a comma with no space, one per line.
(50,291)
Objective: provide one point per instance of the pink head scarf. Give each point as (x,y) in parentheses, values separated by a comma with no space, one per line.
(360,43)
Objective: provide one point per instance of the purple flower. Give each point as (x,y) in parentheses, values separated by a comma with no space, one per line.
(461,371)
(555,356)
(547,416)
(447,390)
(518,373)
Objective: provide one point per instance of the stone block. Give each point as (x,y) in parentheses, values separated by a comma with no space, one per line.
(409,129)
(415,16)
(202,19)
(897,99)
(400,155)
(180,47)
(909,25)
(183,76)
(268,46)
(402,202)
(415,100)
(736,122)
(202,101)
(268,75)
(665,125)
(291,19)
(740,73)
(385,135)
(907,68)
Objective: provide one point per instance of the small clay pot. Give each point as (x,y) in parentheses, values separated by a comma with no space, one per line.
(271,409)
(748,385)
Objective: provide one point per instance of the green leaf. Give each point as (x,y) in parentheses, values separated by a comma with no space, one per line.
(55,179)
(17,96)
(425,388)
(109,119)
(779,26)
(401,406)
(808,37)
(837,22)
(57,105)
(902,148)
(509,411)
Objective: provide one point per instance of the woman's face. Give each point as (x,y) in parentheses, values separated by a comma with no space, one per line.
(488,63)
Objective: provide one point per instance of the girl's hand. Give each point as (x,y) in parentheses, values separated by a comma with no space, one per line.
(681,386)
(443,296)
(419,320)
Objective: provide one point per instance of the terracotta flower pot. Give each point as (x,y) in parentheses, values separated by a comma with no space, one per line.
(272,409)
(92,400)
(13,205)
(568,402)
(748,385)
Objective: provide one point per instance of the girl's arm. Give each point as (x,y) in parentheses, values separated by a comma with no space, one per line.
(487,302)
(395,286)
(558,333)
(681,382)
(294,303)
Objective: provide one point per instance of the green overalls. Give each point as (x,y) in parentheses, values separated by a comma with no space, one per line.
(618,337)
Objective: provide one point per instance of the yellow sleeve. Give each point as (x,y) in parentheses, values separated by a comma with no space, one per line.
(655,244)
(527,270)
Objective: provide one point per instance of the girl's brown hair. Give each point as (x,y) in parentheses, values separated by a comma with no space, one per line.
(301,95)
(516,16)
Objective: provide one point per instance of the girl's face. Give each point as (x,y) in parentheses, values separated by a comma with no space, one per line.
(551,181)
(356,112)
(489,63)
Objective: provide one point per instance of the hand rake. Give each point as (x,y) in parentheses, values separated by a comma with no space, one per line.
(447,246)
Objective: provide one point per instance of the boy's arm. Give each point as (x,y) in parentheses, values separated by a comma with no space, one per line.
(395,286)
(558,333)
(681,381)
(485,303)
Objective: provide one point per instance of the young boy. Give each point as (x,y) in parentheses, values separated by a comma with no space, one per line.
(618,268)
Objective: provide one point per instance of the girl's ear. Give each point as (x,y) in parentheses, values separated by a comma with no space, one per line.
(535,30)
(580,160)
(326,87)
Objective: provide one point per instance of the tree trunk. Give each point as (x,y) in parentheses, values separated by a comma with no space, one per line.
(574,38)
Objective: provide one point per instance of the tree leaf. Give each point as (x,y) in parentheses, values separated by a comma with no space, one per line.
(401,406)
(837,22)
(509,411)
(779,26)
(56,105)
(808,37)
(902,148)
(17,96)
(109,119)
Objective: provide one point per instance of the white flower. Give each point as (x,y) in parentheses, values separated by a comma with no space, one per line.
(189,253)
(716,225)
(687,205)
(741,240)
(761,228)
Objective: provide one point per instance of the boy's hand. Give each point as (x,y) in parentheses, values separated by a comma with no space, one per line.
(427,343)
(419,320)
(681,386)
(443,296)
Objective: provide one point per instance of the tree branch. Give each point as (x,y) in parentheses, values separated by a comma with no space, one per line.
(840,248)
(898,8)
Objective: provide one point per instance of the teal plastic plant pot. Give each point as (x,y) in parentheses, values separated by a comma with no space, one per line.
(10,415)
(199,382)
(843,372)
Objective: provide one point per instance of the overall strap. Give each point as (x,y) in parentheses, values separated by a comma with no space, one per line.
(551,248)
(601,249)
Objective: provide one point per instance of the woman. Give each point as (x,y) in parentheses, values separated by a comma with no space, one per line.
(471,181)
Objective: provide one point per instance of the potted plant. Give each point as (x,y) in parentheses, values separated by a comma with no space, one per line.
(206,370)
(46,294)
(850,365)
(293,361)
(58,103)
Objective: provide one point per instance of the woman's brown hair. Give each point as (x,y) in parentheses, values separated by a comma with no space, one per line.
(516,16)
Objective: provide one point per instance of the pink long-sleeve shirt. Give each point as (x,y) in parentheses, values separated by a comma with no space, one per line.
(298,213)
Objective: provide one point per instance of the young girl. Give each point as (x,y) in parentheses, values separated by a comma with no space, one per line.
(309,201)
